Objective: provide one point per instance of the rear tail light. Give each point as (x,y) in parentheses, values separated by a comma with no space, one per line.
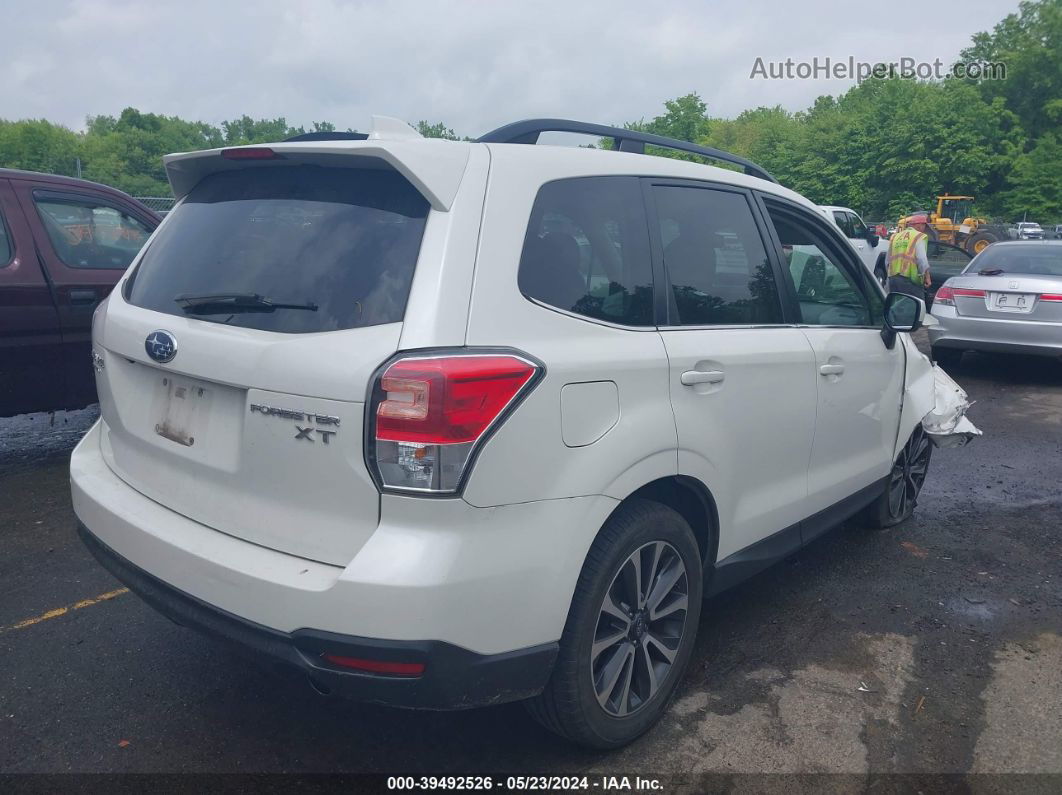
(429,413)
(946,295)
(1051,297)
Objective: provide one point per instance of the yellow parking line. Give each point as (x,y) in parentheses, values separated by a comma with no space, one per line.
(62,611)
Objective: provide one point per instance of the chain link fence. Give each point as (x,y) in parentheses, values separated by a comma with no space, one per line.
(160,204)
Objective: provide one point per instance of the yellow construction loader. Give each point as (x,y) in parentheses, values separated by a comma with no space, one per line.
(953,223)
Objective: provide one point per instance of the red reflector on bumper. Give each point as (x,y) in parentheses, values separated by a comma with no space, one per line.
(376,666)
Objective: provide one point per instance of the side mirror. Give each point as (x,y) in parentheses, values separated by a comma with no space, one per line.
(903,312)
(872,239)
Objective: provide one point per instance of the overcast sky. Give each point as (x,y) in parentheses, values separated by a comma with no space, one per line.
(473,64)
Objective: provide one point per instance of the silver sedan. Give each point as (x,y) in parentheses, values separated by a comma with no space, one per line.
(1008,299)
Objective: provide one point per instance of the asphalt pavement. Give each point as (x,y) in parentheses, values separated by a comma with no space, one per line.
(934,647)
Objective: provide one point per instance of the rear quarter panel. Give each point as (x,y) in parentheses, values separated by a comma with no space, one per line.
(528,458)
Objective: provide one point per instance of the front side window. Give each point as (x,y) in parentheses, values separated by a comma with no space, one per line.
(945,260)
(86,233)
(715,259)
(335,246)
(844,221)
(859,229)
(828,293)
(587,250)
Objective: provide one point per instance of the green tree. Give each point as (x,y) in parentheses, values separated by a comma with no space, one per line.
(39,145)
(1029,43)
(1035,184)
(436,130)
(127,151)
(245,130)
(684,118)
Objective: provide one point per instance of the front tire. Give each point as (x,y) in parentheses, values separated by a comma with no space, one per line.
(630,629)
(979,241)
(908,475)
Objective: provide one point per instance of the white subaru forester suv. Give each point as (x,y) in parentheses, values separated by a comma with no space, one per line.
(442,424)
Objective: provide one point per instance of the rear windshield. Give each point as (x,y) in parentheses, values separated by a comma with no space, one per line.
(337,245)
(1044,259)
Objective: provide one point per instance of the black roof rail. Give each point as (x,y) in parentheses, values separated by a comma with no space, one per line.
(528,130)
(328,136)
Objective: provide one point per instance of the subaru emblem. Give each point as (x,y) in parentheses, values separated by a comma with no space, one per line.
(161,346)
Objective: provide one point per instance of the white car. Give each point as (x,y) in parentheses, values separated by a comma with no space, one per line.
(872,249)
(441,424)
(1028,230)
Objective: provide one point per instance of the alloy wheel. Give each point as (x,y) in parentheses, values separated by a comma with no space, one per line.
(908,474)
(639,628)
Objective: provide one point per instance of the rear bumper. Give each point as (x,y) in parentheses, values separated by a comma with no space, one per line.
(1038,338)
(480,595)
(453,678)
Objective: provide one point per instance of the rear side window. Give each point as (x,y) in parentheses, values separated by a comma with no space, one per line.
(587,250)
(338,246)
(715,258)
(85,233)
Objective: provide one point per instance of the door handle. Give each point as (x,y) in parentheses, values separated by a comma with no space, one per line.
(831,369)
(691,377)
(82,297)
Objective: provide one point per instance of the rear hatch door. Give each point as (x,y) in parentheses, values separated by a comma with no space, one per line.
(238,355)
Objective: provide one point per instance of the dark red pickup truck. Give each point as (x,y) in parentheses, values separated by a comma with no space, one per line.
(64,243)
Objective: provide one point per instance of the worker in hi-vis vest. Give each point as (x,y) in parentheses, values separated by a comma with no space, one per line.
(907,263)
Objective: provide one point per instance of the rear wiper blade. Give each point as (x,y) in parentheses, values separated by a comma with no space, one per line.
(234,302)
(990,272)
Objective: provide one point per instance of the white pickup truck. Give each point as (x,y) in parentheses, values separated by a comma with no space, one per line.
(871,248)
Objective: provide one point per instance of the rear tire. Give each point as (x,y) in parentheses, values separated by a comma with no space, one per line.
(619,663)
(946,357)
(900,496)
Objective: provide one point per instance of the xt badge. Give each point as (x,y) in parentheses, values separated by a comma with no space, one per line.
(304,433)
(311,433)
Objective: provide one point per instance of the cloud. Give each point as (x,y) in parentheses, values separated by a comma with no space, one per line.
(473,64)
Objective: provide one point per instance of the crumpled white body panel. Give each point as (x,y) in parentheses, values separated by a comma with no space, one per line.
(932,397)
(947,424)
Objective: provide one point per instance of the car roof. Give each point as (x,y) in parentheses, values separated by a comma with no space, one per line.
(436,167)
(585,162)
(59,179)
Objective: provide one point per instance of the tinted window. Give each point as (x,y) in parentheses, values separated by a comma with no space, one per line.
(844,221)
(828,292)
(85,233)
(343,243)
(715,259)
(859,229)
(587,250)
(945,261)
(5,243)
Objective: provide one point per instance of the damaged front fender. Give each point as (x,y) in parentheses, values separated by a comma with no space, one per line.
(934,399)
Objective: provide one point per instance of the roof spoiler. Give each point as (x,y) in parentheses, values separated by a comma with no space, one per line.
(434,167)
